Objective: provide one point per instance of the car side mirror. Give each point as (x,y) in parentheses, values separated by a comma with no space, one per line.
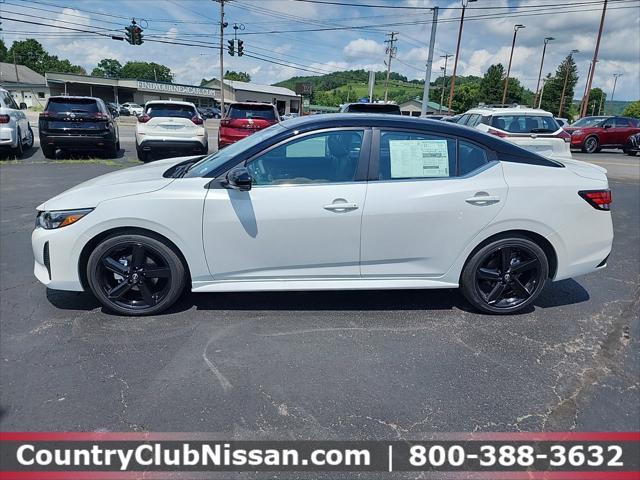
(239,179)
(23,106)
(608,125)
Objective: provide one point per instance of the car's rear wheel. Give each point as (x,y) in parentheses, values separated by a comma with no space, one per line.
(49,151)
(134,274)
(18,151)
(112,150)
(591,145)
(142,155)
(30,140)
(631,153)
(505,276)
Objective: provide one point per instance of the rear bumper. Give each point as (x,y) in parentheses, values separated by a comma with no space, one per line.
(8,137)
(187,145)
(227,139)
(78,141)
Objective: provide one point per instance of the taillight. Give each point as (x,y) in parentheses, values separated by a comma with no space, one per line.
(100,116)
(197,120)
(598,199)
(46,114)
(5,118)
(565,136)
(498,133)
(144,118)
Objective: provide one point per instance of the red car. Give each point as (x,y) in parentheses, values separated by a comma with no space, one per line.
(243,119)
(591,134)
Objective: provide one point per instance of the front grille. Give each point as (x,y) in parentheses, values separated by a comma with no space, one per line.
(47,260)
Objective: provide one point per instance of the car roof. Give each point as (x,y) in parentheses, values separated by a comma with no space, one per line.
(515,110)
(173,102)
(72,97)
(251,104)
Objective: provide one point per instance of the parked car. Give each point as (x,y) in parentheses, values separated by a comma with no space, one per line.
(357,200)
(389,108)
(114,109)
(132,108)
(209,112)
(452,118)
(77,123)
(15,131)
(244,119)
(533,129)
(592,134)
(170,127)
(632,146)
(562,121)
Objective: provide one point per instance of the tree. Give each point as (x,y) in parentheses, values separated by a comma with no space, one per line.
(597,101)
(146,71)
(554,84)
(632,110)
(238,76)
(465,97)
(109,68)
(32,54)
(492,84)
(3,51)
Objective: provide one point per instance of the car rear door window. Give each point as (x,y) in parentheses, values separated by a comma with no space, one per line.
(525,123)
(408,155)
(621,122)
(167,110)
(471,157)
(328,157)
(265,112)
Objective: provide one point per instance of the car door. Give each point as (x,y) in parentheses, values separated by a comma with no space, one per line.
(622,129)
(432,196)
(301,218)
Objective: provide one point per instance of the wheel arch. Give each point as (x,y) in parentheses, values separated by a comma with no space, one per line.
(546,246)
(91,244)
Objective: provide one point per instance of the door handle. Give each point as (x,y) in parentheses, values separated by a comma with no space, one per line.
(341,207)
(482,200)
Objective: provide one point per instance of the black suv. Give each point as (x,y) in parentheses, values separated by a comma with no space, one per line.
(77,123)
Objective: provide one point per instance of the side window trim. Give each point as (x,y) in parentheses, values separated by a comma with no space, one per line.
(362,168)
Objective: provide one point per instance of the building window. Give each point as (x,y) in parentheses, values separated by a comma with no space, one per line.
(40,94)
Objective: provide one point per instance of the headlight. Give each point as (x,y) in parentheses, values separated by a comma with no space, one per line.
(60,218)
(577,132)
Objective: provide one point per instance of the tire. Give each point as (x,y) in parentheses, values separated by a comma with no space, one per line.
(111,151)
(30,139)
(18,151)
(135,275)
(49,151)
(631,153)
(493,283)
(142,155)
(591,145)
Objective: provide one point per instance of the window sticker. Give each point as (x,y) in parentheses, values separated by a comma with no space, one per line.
(419,158)
(314,147)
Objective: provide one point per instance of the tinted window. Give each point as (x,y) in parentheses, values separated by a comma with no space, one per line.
(266,112)
(621,122)
(7,99)
(463,120)
(405,155)
(168,110)
(78,105)
(373,108)
(525,123)
(321,158)
(588,121)
(470,157)
(474,120)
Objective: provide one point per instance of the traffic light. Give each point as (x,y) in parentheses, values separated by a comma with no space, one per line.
(129,34)
(240,48)
(137,35)
(232,49)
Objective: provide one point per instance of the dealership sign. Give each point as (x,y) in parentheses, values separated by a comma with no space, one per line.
(172,88)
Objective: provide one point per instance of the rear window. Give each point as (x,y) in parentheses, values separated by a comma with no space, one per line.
(525,123)
(168,110)
(266,112)
(78,105)
(373,108)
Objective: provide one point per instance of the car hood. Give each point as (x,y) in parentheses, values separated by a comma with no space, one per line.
(121,183)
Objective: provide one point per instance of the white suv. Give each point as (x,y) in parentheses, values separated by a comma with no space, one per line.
(132,108)
(168,127)
(15,131)
(533,129)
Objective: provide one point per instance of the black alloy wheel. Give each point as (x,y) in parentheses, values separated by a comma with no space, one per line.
(505,276)
(135,275)
(591,145)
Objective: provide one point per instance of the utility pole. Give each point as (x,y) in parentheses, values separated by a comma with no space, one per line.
(544,49)
(613,92)
(544,80)
(594,61)
(584,95)
(391,51)
(15,65)
(222,25)
(566,79)
(427,76)
(600,103)
(455,63)
(513,44)
(444,79)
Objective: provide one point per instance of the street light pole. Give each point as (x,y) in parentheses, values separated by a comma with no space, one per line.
(593,62)
(566,79)
(613,92)
(455,63)
(513,44)
(544,49)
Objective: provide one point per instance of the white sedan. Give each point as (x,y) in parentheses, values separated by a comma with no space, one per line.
(330,202)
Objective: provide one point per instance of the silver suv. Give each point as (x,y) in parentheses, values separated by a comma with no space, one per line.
(15,131)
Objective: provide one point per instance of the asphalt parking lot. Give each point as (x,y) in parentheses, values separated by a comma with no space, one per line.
(315,365)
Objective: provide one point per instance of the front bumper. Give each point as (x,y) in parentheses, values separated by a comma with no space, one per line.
(56,259)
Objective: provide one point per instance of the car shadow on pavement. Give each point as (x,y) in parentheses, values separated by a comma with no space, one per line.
(562,293)
(10,156)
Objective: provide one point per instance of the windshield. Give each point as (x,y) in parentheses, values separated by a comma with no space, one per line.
(212,162)
(525,123)
(588,121)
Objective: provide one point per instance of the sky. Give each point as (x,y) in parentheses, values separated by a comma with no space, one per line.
(315,37)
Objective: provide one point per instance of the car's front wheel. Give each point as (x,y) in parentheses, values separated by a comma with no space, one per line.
(591,145)
(631,153)
(133,274)
(505,276)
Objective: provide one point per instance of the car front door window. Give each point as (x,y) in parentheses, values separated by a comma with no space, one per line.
(328,157)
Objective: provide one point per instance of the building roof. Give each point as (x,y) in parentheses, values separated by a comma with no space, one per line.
(257,87)
(431,105)
(25,75)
